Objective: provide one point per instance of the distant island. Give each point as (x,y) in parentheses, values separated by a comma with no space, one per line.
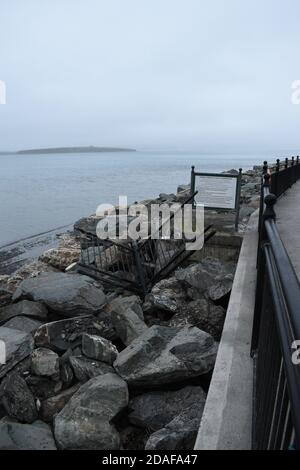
(90,149)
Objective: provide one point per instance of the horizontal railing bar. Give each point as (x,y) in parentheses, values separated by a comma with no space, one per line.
(288,277)
(286,338)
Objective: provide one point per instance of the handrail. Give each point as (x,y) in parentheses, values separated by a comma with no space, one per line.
(276,418)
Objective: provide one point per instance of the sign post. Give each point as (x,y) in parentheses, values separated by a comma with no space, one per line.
(218,191)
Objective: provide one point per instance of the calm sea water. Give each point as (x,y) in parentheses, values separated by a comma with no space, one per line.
(42,192)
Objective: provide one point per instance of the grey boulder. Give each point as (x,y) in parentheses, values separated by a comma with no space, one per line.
(44,362)
(205,275)
(17,436)
(128,325)
(154,410)
(18,345)
(101,349)
(180,433)
(24,308)
(66,294)
(86,420)
(201,313)
(17,399)
(165,355)
(122,304)
(25,324)
(85,368)
(167,295)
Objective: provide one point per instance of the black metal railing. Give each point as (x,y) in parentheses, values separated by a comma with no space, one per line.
(135,265)
(276,327)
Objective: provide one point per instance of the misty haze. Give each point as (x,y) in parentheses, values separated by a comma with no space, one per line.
(143,344)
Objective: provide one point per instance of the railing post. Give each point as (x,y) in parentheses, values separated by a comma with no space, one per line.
(269,213)
(275,178)
(193,185)
(286,163)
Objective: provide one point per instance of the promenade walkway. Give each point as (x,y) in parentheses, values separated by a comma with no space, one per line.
(287,211)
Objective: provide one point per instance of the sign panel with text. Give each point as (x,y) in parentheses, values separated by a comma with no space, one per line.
(217,191)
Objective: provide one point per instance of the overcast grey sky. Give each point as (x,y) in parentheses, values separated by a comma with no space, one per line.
(205,75)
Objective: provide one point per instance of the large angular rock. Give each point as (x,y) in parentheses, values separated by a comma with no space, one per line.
(167,295)
(85,368)
(154,410)
(44,362)
(180,433)
(69,295)
(25,308)
(128,325)
(52,406)
(98,348)
(201,313)
(25,324)
(165,355)
(17,399)
(16,436)
(64,334)
(122,304)
(221,288)
(18,345)
(86,421)
(205,275)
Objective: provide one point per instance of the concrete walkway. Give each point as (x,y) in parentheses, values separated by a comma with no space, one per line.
(287,211)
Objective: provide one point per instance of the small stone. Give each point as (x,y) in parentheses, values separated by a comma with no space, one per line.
(44,362)
(99,348)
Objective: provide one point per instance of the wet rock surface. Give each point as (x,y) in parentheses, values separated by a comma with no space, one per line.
(66,294)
